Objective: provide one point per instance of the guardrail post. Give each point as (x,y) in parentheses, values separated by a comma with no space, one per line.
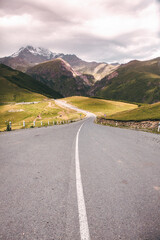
(41,123)
(23,123)
(34,123)
(159,127)
(48,122)
(10,125)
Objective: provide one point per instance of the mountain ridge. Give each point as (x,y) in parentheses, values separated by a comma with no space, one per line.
(29,56)
(58,75)
(136,81)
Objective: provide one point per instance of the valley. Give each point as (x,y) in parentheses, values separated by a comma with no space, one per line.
(67,74)
(126,92)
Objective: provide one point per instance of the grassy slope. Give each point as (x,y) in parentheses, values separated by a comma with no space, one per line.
(137,82)
(99,106)
(17,86)
(148,112)
(47,111)
(10,92)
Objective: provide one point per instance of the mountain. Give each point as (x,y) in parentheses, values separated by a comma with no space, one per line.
(26,57)
(30,56)
(17,87)
(136,81)
(58,75)
(98,70)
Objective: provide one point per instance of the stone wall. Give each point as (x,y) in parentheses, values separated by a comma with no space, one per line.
(151,125)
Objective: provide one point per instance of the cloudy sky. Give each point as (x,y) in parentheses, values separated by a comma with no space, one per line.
(101,30)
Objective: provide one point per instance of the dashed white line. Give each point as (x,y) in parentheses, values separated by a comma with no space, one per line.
(83,222)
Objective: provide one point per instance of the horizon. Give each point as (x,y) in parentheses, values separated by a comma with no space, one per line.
(102,31)
(42,47)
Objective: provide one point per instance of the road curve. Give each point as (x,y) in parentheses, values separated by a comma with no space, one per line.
(63,103)
(119,176)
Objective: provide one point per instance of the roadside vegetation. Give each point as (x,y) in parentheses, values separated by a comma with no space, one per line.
(147,112)
(99,106)
(39,112)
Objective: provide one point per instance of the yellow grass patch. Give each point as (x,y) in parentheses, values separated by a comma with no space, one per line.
(99,106)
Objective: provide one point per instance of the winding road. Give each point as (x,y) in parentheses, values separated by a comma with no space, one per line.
(79,181)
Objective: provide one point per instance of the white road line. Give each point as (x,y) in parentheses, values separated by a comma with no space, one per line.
(83,222)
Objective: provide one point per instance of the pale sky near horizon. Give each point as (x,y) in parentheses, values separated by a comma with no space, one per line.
(100,30)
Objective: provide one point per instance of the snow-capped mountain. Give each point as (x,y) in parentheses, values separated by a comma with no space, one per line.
(27,57)
(35,51)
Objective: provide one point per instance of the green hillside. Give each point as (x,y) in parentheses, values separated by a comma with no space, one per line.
(148,112)
(99,106)
(17,87)
(136,82)
(10,92)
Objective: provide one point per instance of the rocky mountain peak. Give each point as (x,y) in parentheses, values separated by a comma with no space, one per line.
(36,51)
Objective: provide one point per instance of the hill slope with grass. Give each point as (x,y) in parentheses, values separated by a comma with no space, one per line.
(136,81)
(99,106)
(147,112)
(40,112)
(17,87)
(58,75)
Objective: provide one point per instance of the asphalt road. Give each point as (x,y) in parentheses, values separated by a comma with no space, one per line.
(114,193)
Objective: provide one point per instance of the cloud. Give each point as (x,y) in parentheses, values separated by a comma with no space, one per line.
(102,30)
(126,6)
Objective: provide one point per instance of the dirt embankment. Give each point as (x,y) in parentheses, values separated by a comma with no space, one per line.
(144,125)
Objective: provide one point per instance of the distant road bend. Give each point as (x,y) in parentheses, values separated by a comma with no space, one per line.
(79,181)
(67,105)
